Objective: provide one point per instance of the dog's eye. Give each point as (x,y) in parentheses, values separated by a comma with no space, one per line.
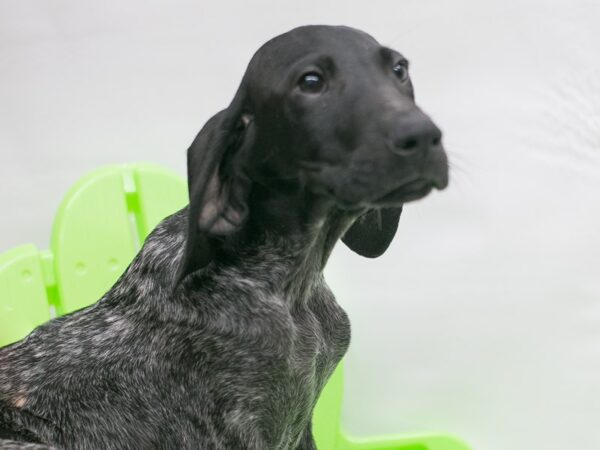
(311,82)
(401,71)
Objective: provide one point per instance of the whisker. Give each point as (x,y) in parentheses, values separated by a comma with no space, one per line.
(460,163)
(455,167)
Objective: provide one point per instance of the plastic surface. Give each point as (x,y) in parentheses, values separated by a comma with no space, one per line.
(98,229)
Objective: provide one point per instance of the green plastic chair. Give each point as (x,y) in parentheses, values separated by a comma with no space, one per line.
(99,227)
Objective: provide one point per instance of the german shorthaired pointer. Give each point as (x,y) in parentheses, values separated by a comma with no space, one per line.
(222,331)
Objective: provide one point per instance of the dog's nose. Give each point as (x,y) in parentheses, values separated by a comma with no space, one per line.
(416,134)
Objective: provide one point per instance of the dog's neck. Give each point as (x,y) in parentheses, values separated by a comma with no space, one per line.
(290,236)
(301,228)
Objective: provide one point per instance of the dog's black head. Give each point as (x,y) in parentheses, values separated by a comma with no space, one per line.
(322,110)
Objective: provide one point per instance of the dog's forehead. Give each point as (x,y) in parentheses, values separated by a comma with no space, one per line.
(285,49)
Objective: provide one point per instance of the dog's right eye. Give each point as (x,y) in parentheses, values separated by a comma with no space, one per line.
(311,82)
(401,70)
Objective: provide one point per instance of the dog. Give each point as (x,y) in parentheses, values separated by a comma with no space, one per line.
(222,331)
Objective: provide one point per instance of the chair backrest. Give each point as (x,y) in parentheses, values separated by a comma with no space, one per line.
(100,225)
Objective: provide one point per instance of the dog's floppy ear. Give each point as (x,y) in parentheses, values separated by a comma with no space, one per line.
(372,232)
(218,188)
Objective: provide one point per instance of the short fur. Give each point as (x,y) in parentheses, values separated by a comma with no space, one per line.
(222,332)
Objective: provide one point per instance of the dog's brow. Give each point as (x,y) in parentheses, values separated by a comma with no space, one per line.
(391,56)
(387,54)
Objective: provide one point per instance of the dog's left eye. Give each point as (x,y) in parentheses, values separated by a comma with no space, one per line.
(401,71)
(311,82)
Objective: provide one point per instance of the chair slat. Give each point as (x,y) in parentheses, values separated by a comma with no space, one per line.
(159,193)
(23,297)
(92,240)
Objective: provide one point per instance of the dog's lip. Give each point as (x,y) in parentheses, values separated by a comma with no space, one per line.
(413,190)
(408,191)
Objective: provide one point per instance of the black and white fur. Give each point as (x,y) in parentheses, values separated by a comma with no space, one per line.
(222,332)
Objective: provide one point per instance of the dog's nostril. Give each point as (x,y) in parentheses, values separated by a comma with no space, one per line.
(409,144)
(415,135)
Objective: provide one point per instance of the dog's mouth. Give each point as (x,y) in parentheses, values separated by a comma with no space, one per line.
(414,190)
(320,181)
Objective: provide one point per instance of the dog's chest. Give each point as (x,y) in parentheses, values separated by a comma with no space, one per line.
(276,354)
(309,335)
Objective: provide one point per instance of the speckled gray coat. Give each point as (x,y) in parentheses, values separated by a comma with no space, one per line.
(236,364)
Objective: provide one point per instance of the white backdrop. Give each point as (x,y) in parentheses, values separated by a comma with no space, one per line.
(483,319)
